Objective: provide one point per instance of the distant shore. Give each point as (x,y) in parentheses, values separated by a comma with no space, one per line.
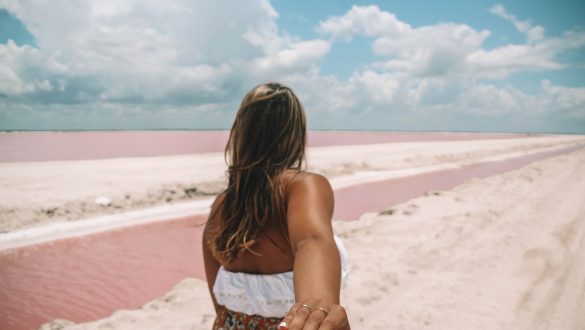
(38,146)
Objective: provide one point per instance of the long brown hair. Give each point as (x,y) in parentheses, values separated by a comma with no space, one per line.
(268,137)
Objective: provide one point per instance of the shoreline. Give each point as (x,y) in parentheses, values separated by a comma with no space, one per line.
(36,194)
(62,230)
(94,145)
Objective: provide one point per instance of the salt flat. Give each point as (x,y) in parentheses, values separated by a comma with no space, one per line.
(502,252)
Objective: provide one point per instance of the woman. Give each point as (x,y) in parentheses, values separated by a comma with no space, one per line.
(268,246)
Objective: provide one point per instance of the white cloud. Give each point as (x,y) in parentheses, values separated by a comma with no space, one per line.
(445,67)
(369,21)
(489,100)
(19,72)
(533,32)
(569,100)
(10,5)
(380,88)
(499,63)
(298,56)
(428,50)
(542,55)
(196,57)
(128,51)
(449,48)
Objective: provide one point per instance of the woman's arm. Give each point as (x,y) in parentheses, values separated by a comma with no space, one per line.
(317,267)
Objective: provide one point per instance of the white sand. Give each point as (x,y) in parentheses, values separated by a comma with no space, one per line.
(35,194)
(504,252)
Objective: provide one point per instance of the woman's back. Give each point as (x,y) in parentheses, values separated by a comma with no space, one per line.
(270,253)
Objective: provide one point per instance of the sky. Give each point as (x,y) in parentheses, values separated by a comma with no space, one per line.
(496,66)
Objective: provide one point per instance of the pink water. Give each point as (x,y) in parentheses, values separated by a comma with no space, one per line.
(47,146)
(355,200)
(88,278)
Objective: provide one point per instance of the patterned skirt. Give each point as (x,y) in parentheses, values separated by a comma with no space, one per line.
(230,320)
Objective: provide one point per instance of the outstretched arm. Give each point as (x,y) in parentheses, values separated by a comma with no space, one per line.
(317,267)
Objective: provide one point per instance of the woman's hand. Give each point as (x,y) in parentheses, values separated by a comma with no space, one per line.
(315,315)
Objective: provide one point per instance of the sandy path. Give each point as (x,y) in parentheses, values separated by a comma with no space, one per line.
(34,194)
(502,252)
(497,253)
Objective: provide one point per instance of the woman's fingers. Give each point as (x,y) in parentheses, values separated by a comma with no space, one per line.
(288,318)
(315,315)
(295,316)
(300,315)
(336,319)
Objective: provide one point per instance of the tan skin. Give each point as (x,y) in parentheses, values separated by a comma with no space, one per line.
(312,255)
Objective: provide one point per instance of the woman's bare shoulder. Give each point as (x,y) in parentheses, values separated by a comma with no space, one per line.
(308,190)
(310,206)
(305,179)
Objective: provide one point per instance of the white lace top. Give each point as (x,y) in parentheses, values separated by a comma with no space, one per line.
(266,295)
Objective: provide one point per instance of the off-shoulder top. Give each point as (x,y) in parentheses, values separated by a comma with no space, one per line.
(266,295)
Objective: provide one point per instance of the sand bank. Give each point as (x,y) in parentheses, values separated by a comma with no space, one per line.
(39,193)
(501,252)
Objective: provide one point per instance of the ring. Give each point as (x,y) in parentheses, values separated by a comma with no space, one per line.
(304,305)
(323,310)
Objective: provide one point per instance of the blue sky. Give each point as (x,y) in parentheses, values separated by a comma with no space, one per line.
(508,66)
